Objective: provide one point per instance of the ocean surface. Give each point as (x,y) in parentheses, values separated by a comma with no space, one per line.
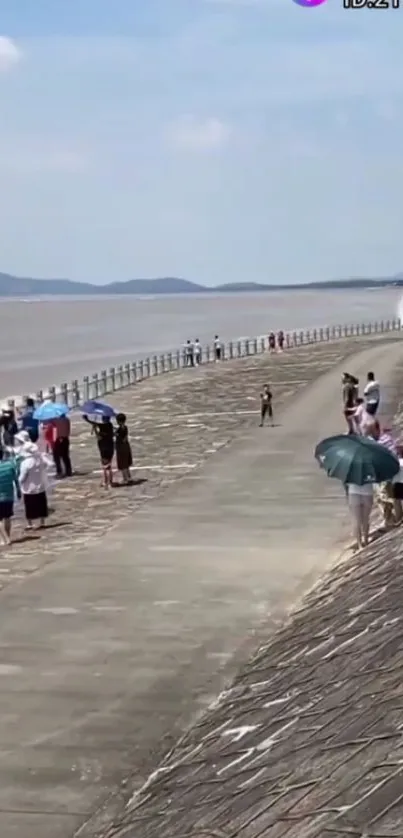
(48,341)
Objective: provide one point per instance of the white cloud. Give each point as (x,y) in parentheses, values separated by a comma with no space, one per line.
(10,54)
(199,135)
(30,160)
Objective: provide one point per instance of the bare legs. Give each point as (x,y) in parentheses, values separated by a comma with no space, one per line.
(360,508)
(5,531)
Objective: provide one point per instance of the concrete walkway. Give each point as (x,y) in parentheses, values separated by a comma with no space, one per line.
(110,649)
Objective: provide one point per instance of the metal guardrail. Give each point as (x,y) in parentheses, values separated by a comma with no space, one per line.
(116,378)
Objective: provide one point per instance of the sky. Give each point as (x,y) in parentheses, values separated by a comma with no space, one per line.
(216,140)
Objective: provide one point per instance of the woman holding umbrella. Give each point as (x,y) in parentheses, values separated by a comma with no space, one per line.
(359,463)
(104,432)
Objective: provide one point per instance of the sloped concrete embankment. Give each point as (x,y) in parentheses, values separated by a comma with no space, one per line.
(308,741)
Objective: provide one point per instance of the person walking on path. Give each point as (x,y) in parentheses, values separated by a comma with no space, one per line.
(266,405)
(61,446)
(27,421)
(360,501)
(272,342)
(124,459)
(33,481)
(9,486)
(217,348)
(105,435)
(372,394)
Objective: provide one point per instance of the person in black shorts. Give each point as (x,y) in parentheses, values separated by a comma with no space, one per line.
(105,434)
(266,405)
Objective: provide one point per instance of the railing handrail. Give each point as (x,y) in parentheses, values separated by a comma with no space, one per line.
(101,384)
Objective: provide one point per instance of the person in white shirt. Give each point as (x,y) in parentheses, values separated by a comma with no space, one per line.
(33,482)
(360,501)
(372,394)
(217,348)
(197,351)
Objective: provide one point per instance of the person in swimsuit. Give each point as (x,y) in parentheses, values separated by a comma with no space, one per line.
(349,400)
(105,435)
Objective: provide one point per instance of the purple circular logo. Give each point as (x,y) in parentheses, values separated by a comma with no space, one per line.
(308,3)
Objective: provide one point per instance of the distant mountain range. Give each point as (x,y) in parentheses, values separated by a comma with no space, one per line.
(14,286)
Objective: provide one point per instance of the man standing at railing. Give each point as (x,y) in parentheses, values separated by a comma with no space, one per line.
(197,350)
(217,348)
(189,354)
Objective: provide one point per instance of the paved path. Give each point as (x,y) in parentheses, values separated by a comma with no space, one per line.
(113,647)
(176,422)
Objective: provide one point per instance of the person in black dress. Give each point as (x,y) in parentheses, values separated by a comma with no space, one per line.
(124,459)
(105,435)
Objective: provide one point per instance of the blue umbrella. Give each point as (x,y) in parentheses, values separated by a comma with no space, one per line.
(48,411)
(94,408)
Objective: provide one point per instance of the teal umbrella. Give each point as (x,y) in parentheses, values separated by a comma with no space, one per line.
(356,459)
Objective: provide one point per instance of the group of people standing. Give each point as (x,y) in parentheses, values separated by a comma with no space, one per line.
(193,351)
(29,449)
(360,414)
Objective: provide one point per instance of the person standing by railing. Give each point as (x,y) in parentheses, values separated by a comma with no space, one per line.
(197,351)
(217,348)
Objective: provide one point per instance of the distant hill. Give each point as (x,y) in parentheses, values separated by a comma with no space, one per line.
(13,286)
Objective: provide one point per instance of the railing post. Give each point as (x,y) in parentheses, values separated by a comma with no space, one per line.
(163,366)
(75,391)
(247,346)
(39,396)
(231,349)
(382,326)
(178,359)
(140,367)
(207,354)
(64,393)
(321,335)
(238,348)
(52,393)
(254,346)
(95,386)
(315,336)
(147,368)
(262,345)
(170,361)
(86,388)
(112,376)
(103,383)
(155,365)
(301,337)
(133,372)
